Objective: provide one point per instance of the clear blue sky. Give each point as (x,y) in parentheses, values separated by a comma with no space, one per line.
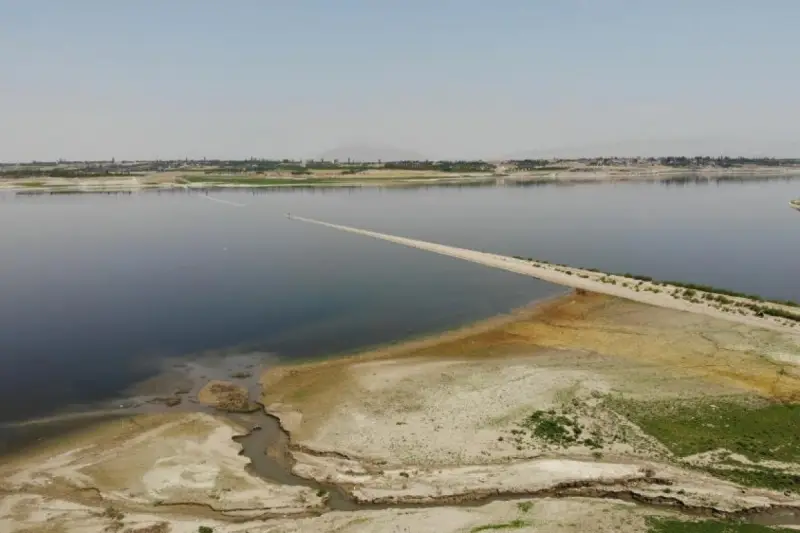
(466,78)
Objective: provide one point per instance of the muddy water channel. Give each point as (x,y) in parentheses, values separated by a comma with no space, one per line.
(268,448)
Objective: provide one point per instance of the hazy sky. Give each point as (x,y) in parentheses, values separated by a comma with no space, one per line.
(457,78)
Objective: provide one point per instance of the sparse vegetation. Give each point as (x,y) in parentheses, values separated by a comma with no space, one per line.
(525,507)
(205,529)
(727,292)
(667,525)
(758,476)
(771,311)
(576,423)
(553,427)
(691,290)
(514,524)
(693,293)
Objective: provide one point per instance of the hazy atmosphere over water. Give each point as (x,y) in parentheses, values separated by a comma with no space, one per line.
(90,79)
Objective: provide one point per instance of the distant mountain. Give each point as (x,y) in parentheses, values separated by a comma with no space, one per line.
(662,147)
(372,153)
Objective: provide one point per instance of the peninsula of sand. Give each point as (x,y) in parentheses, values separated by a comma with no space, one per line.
(795,204)
(625,405)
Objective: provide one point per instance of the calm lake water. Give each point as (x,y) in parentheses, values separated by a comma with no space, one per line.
(97,290)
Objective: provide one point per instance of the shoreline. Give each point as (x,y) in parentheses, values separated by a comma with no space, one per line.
(421,341)
(67,186)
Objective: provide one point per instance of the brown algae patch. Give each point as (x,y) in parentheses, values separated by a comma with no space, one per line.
(226,396)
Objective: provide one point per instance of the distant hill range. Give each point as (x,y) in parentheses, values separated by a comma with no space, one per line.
(663,148)
(371,153)
(633,148)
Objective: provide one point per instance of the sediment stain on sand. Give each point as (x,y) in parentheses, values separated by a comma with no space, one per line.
(731,355)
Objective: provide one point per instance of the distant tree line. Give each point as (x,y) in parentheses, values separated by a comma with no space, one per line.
(81,169)
(441,166)
(537,164)
(669,161)
(723,162)
(62,173)
(324,165)
(249,165)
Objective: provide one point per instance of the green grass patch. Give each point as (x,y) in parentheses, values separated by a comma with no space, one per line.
(665,525)
(757,431)
(553,428)
(524,507)
(514,524)
(754,476)
(562,428)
